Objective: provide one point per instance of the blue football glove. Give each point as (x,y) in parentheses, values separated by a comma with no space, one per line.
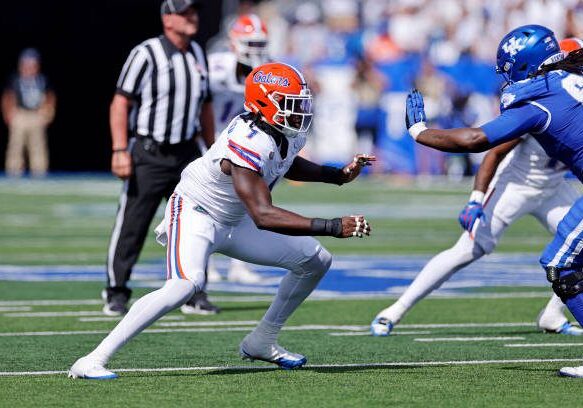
(470,214)
(415,111)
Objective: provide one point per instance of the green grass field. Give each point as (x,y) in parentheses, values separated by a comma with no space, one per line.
(470,351)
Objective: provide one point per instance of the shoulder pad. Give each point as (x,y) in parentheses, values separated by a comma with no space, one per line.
(528,89)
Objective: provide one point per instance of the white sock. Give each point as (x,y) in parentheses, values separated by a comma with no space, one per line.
(142,314)
(439,269)
(552,317)
(293,289)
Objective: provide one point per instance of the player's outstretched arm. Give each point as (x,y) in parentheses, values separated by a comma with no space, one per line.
(256,197)
(447,140)
(306,170)
(516,120)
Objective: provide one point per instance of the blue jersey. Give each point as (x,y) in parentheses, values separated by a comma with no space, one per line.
(550,108)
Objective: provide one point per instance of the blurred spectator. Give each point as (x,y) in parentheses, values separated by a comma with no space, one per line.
(368,86)
(28,107)
(460,115)
(438,45)
(307,37)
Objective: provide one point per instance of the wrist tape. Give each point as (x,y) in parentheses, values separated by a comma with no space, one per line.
(477,196)
(416,129)
(331,227)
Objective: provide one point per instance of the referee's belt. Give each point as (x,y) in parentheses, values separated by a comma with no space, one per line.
(165,143)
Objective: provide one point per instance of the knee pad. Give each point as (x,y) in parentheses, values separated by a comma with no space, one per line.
(317,265)
(566,287)
(180,290)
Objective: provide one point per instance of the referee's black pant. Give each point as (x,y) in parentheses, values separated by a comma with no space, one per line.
(156,171)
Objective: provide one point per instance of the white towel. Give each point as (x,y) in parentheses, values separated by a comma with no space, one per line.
(161,234)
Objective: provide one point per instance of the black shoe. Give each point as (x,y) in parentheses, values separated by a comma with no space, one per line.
(116,301)
(200,305)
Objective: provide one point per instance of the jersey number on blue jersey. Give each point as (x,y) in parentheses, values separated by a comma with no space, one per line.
(573,84)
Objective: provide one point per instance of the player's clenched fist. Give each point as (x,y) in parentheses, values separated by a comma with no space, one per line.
(355,226)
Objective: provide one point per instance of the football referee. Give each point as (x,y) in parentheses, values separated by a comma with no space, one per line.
(162,101)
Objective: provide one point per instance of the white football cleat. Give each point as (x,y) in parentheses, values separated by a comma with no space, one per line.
(89,369)
(575,372)
(271,353)
(555,323)
(241,273)
(381,326)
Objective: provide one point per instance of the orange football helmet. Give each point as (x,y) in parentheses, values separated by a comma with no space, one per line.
(279,93)
(570,44)
(248,37)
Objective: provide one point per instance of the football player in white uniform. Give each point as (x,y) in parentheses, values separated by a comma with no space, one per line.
(515,178)
(227,73)
(223,204)
(527,182)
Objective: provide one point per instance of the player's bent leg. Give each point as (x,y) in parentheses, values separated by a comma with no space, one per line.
(261,343)
(142,314)
(550,213)
(575,305)
(307,262)
(563,263)
(438,270)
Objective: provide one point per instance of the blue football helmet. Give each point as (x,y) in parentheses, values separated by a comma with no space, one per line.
(523,50)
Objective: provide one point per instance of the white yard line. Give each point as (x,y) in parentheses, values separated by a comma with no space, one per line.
(544,345)
(56,314)
(367,333)
(465,325)
(464,339)
(118,318)
(267,298)
(180,330)
(244,325)
(313,366)
(210,323)
(72,302)
(15,308)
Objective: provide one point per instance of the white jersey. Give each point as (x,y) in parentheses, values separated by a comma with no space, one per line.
(245,145)
(528,164)
(228,92)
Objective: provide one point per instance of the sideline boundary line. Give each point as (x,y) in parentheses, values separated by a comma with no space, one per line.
(394,364)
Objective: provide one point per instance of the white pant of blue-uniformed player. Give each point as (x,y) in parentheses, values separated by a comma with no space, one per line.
(507,201)
(192,236)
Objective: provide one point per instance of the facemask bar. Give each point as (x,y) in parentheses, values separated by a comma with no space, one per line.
(294,111)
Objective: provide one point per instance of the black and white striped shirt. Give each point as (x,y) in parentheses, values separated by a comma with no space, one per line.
(168,87)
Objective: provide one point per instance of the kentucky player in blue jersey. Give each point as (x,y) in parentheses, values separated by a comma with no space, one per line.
(544,98)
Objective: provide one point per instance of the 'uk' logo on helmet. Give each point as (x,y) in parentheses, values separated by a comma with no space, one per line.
(513,46)
(270,79)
